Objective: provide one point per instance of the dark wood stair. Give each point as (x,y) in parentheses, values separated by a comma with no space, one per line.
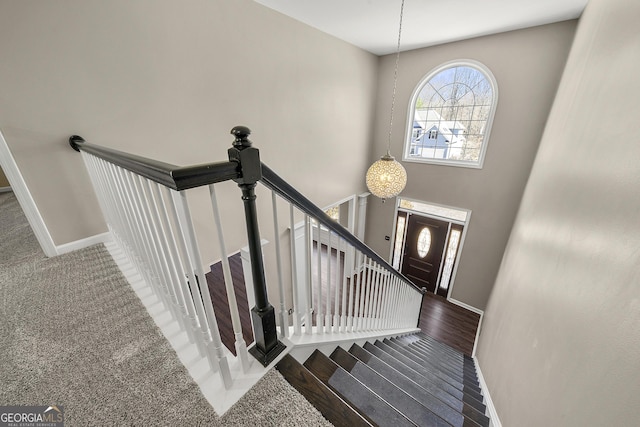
(406,381)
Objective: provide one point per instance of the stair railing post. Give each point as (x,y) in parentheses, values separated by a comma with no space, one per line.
(267,347)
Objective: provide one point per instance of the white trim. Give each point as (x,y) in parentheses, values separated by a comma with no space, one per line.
(84,243)
(433,215)
(28,205)
(491,409)
(467,306)
(411,113)
(303,345)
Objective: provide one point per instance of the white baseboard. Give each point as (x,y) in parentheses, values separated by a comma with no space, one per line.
(493,414)
(467,306)
(83,243)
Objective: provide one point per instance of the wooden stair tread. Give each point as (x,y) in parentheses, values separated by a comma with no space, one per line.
(448,375)
(441,360)
(369,404)
(467,388)
(447,408)
(426,374)
(325,400)
(403,381)
(461,368)
(391,393)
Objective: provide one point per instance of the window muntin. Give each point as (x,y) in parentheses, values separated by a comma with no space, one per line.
(450,115)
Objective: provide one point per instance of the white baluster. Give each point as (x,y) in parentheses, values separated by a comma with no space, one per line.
(319,284)
(336,298)
(175,267)
(203,300)
(308,250)
(240,344)
(356,297)
(354,293)
(151,232)
(367,295)
(327,320)
(294,273)
(190,287)
(347,272)
(284,318)
(387,300)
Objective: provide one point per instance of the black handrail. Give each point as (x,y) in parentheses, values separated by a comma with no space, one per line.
(176,177)
(274,182)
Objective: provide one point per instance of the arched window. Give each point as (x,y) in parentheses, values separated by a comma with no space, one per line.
(450,115)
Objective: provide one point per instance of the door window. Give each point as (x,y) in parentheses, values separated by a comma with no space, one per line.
(424,242)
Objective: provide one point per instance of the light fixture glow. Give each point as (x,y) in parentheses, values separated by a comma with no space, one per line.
(386,178)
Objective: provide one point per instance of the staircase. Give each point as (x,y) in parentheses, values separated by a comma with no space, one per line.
(405,381)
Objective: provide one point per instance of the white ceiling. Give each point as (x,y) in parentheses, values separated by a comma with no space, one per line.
(373,24)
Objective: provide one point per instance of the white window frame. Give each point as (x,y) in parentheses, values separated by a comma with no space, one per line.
(411,113)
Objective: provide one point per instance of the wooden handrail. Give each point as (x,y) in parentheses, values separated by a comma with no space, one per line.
(274,182)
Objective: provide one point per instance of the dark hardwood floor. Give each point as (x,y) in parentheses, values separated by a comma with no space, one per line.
(215,280)
(449,323)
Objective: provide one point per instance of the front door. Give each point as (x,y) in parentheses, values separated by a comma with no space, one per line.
(423,249)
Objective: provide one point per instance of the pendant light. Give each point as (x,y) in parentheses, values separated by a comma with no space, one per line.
(386,178)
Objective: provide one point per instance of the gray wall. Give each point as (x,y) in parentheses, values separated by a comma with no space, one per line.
(561,343)
(527,65)
(168,80)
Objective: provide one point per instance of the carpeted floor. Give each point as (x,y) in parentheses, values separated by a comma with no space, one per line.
(73,333)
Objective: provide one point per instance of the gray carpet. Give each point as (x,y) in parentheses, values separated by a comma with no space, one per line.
(73,333)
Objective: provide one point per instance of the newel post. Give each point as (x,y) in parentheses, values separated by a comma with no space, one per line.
(267,346)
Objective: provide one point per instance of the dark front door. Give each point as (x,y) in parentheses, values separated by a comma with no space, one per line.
(423,249)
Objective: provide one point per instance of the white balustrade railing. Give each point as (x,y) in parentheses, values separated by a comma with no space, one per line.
(343,289)
(337,284)
(152,225)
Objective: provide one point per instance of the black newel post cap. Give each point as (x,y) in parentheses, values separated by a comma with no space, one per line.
(74,141)
(246,156)
(242,137)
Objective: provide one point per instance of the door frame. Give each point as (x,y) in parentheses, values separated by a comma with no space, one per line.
(464,224)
